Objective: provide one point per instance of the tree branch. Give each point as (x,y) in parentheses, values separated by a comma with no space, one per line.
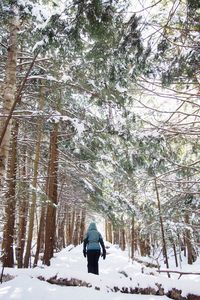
(17,98)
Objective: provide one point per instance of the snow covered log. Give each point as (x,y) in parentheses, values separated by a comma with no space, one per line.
(66,281)
(158,290)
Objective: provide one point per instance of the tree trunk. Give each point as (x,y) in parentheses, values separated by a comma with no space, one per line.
(23,202)
(142,247)
(50,228)
(109,231)
(8,238)
(82,226)
(133,237)
(190,250)
(39,238)
(34,183)
(122,239)
(9,89)
(23,212)
(61,227)
(70,226)
(77,229)
(175,254)
(162,227)
(116,236)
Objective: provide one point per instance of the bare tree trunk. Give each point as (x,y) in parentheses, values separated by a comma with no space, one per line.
(106,231)
(82,226)
(185,245)
(175,254)
(122,239)
(23,212)
(70,225)
(8,238)
(162,227)
(109,231)
(61,218)
(23,202)
(67,226)
(133,237)
(9,89)
(22,229)
(142,246)
(190,249)
(50,228)
(34,183)
(116,236)
(77,229)
(39,238)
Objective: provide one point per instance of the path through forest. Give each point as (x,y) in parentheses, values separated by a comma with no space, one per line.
(117,273)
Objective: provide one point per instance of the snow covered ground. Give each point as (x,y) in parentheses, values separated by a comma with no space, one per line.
(115,271)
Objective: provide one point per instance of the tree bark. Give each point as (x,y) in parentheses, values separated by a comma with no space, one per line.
(162,227)
(122,239)
(8,238)
(39,238)
(61,216)
(116,236)
(133,237)
(175,254)
(23,212)
(9,90)
(70,225)
(109,231)
(34,183)
(77,228)
(82,226)
(190,249)
(50,228)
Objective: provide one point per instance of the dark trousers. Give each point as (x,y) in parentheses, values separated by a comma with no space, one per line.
(93,261)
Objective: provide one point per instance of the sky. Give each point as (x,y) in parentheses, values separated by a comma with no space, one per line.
(115,270)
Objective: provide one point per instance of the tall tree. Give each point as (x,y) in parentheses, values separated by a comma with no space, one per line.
(9,87)
(52,182)
(10,196)
(35,176)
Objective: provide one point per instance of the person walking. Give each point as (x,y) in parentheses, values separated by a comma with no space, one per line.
(92,249)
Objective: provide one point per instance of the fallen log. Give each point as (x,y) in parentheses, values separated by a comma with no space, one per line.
(146,264)
(157,290)
(65,281)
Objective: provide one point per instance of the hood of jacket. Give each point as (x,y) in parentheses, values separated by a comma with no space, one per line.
(92,226)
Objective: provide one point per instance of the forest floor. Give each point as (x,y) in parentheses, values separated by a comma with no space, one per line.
(119,279)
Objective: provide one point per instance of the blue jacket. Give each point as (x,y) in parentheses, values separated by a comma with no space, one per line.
(93,239)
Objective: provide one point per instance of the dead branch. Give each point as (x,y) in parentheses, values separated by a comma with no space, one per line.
(178,272)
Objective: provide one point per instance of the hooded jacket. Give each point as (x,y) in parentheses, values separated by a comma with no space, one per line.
(93,239)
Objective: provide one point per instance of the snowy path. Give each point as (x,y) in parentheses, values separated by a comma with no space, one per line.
(34,289)
(72,264)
